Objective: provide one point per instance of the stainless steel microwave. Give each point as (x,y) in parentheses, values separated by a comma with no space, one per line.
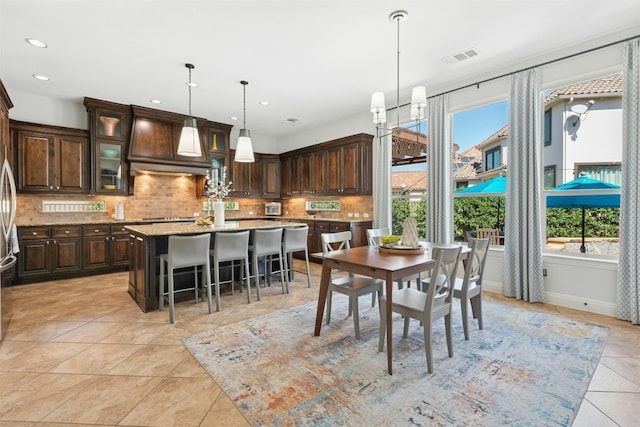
(273,208)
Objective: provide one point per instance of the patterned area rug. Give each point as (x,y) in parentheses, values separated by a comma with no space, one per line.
(525,368)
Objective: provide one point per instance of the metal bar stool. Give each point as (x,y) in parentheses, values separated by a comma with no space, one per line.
(185,251)
(232,246)
(267,243)
(295,240)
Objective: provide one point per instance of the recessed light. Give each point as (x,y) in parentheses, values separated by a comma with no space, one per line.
(264,102)
(36,43)
(41,77)
(233,118)
(155,101)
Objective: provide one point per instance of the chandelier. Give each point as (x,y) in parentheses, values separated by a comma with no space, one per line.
(418,94)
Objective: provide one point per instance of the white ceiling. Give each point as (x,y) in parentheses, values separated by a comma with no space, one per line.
(313,60)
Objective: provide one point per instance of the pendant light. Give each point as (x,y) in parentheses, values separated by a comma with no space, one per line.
(418,94)
(189,137)
(244,149)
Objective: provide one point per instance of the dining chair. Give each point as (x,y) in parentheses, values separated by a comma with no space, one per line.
(427,306)
(295,240)
(183,252)
(267,243)
(373,237)
(229,247)
(491,233)
(469,288)
(351,285)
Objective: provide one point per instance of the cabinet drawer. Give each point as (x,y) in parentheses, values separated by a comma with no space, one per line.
(119,229)
(71,231)
(34,233)
(321,227)
(336,227)
(95,230)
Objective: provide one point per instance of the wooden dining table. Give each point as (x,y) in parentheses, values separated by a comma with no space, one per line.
(370,261)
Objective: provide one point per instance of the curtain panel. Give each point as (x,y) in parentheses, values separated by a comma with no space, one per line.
(382,182)
(628,290)
(523,220)
(439,227)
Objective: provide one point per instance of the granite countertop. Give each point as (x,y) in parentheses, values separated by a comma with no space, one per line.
(175,228)
(189,219)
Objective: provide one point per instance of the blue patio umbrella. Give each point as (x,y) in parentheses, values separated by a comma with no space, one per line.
(584,193)
(494,187)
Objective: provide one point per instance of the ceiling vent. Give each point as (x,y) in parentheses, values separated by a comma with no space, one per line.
(459,57)
(291,120)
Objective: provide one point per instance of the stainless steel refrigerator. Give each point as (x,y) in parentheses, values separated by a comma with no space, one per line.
(8,239)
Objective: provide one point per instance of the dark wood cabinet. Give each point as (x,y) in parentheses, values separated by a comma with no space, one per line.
(339,167)
(104,246)
(270,176)
(51,158)
(137,271)
(247,177)
(47,250)
(109,130)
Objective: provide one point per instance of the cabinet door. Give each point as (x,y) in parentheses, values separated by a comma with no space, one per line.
(71,165)
(35,157)
(34,258)
(67,255)
(253,178)
(296,175)
(350,168)
(320,173)
(334,171)
(285,177)
(271,177)
(95,252)
(119,249)
(306,176)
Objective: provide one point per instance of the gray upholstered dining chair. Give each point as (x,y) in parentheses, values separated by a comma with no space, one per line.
(294,239)
(351,285)
(427,306)
(469,287)
(373,237)
(183,252)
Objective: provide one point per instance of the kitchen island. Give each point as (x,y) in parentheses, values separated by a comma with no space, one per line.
(147,241)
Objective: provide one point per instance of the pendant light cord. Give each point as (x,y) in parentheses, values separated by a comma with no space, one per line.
(398,19)
(244,103)
(189,91)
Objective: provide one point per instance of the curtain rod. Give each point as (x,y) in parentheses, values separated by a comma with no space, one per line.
(573,55)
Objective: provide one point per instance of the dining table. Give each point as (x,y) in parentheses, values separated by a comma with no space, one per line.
(380,264)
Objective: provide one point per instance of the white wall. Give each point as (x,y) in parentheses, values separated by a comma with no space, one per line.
(577,281)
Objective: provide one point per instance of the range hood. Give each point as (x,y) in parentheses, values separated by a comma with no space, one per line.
(154,144)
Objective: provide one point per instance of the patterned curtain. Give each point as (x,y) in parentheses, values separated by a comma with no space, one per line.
(628,294)
(523,223)
(439,227)
(382,182)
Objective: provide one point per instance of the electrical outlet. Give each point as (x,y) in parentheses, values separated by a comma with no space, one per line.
(250,212)
(357,215)
(196,214)
(350,215)
(366,215)
(544,272)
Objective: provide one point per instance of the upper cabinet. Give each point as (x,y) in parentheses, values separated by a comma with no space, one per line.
(270,176)
(246,177)
(339,167)
(109,129)
(51,158)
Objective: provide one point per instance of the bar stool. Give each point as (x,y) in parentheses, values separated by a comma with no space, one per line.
(185,251)
(231,247)
(267,243)
(295,240)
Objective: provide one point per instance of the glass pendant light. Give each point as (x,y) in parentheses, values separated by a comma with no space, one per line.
(189,144)
(244,149)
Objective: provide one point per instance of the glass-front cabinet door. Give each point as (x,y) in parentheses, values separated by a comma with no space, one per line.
(109,167)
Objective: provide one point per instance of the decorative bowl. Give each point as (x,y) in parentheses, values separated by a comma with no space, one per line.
(109,186)
(109,153)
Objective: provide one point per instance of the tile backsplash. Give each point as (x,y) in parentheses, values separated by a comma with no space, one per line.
(159,196)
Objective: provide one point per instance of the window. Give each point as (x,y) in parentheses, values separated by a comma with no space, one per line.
(547,127)
(492,158)
(604,172)
(549,177)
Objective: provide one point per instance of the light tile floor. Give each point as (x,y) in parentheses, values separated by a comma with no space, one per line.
(80,352)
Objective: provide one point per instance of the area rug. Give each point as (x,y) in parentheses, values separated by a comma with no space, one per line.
(526,368)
